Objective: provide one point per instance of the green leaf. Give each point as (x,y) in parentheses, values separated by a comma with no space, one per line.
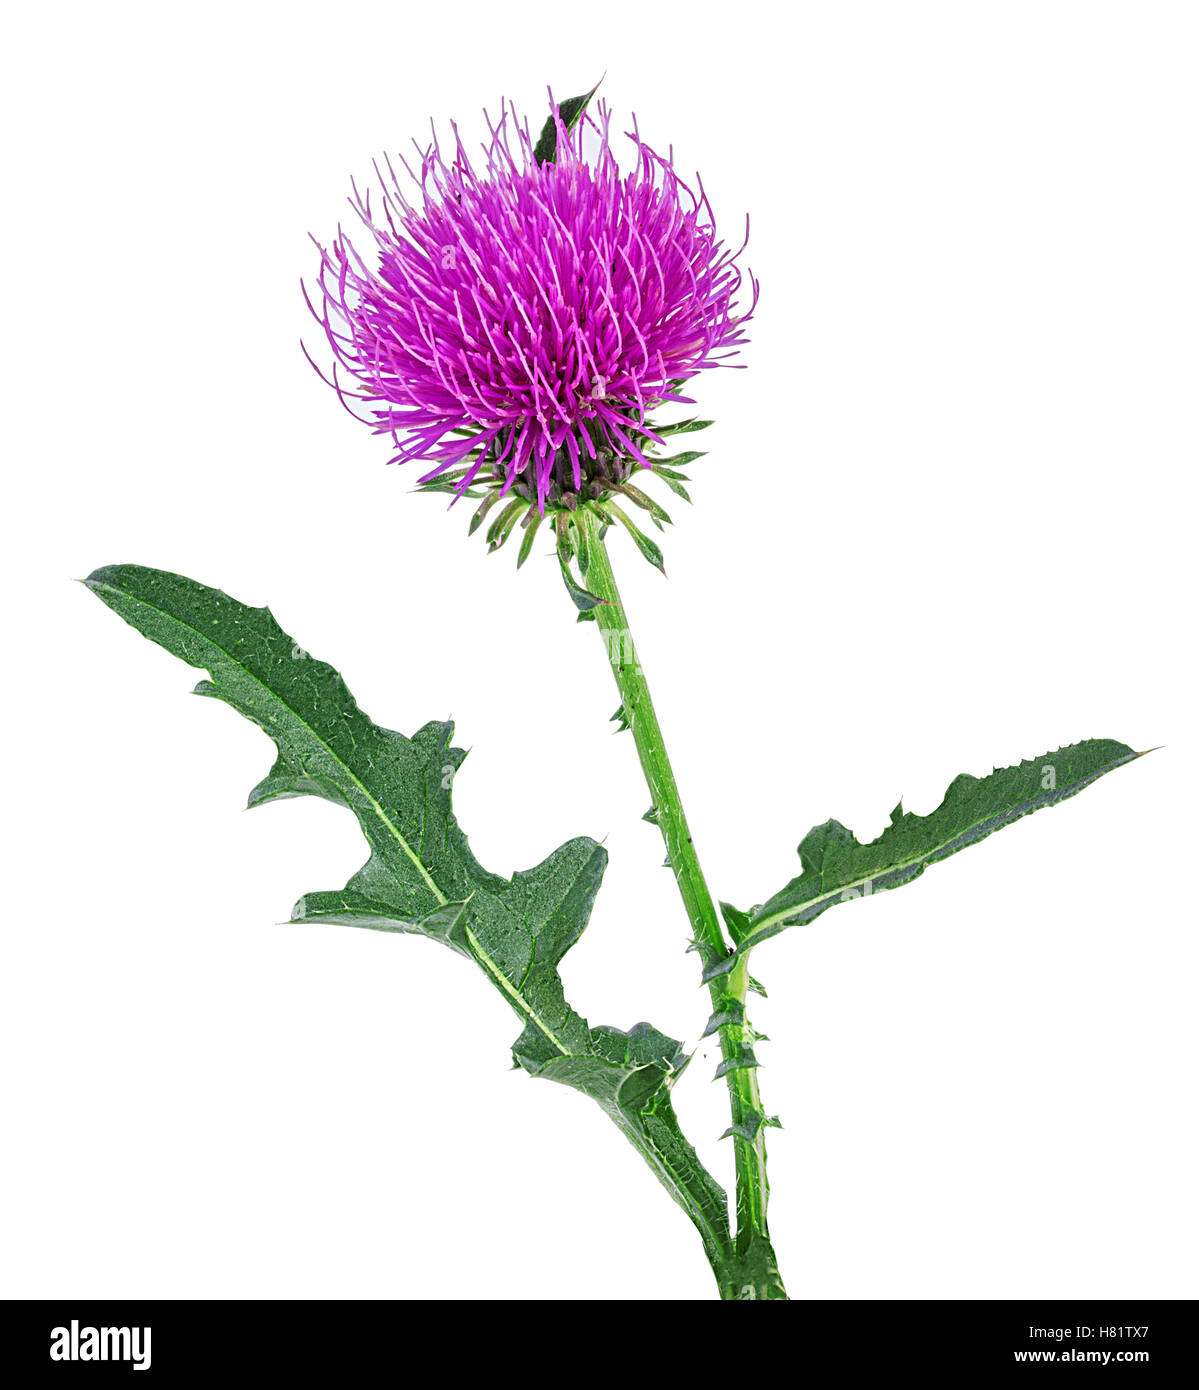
(674,482)
(737,922)
(659,513)
(744,1058)
(531,524)
(749,1127)
(582,598)
(421,876)
(649,549)
(729,1012)
(501,528)
(481,511)
(570,112)
(582,538)
(676,461)
(682,427)
(836,868)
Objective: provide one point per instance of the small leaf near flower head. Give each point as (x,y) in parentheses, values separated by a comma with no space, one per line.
(674,483)
(648,548)
(501,528)
(531,522)
(646,503)
(678,460)
(570,112)
(481,511)
(683,427)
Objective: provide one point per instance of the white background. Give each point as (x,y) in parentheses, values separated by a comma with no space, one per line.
(947,522)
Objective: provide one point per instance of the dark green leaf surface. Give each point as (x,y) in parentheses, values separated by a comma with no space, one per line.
(570,112)
(421,876)
(837,868)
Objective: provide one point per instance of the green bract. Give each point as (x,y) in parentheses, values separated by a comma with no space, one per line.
(608,481)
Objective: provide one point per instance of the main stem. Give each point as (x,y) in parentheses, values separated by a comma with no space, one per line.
(754,1271)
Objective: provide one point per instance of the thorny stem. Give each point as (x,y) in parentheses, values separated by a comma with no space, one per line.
(753,1272)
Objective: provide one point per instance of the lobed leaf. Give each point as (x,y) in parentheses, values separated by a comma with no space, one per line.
(421,876)
(837,868)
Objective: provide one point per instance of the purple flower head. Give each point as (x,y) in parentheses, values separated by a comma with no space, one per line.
(514,324)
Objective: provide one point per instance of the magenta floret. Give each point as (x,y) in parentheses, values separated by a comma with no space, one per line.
(528,315)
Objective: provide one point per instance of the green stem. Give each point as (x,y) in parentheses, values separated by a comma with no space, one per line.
(753,1270)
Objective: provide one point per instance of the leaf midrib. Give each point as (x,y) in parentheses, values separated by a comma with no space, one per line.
(514,993)
(207,639)
(501,979)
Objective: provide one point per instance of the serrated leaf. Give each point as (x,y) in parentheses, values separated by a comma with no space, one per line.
(836,868)
(421,876)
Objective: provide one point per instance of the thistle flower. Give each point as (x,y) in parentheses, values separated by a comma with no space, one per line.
(515,325)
